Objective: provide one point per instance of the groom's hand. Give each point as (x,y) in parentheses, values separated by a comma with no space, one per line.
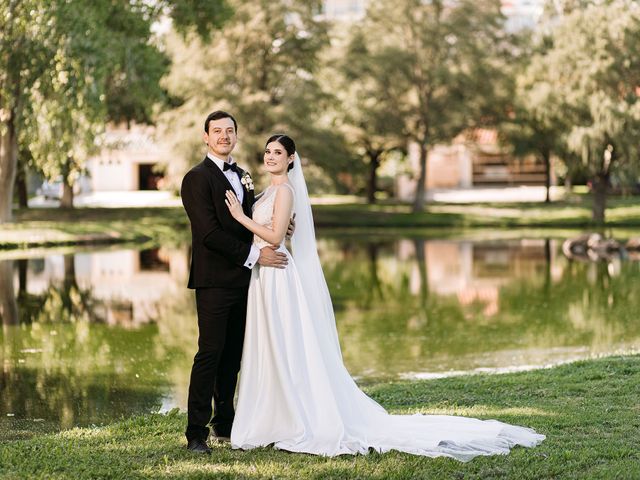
(291,228)
(270,258)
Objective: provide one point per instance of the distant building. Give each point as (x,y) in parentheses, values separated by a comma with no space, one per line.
(474,159)
(127,162)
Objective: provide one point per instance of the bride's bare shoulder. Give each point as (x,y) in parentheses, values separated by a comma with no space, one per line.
(290,187)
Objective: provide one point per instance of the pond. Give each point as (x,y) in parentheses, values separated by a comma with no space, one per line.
(91,336)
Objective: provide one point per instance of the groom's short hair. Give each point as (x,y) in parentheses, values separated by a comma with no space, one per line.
(217,115)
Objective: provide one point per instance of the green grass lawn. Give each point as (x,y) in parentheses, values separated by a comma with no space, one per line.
(43,227)
(589,410)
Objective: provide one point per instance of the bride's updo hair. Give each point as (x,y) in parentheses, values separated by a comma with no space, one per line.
(286,141)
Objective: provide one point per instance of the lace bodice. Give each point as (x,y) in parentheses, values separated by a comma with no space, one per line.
(263,211)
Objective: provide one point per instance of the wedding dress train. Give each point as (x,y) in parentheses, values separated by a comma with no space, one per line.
(295,392)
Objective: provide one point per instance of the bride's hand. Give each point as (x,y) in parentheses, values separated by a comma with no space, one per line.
(234,205)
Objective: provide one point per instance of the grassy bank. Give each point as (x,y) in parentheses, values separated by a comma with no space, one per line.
(42,227)
(48,227)
(589,411)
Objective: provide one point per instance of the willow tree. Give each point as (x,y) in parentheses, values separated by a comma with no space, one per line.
(592,74)
(63,61)
(24,25)
(449,62)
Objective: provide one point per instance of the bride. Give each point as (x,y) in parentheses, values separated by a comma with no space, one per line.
(295,392)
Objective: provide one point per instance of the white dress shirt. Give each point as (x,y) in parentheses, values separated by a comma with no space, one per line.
(234,180)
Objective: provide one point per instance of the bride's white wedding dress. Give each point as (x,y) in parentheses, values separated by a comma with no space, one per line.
(295,392)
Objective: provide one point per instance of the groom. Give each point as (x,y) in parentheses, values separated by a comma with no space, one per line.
(221,260)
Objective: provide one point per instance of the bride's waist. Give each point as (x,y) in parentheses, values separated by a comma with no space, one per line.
(261,244)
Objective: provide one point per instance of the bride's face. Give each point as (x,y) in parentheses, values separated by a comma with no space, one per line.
(276,159)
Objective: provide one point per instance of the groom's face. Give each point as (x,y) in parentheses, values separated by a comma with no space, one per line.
(221,138)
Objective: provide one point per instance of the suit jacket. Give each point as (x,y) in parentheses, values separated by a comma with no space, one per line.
(220,245)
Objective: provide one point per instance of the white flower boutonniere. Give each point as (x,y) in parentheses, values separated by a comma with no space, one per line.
(247,181)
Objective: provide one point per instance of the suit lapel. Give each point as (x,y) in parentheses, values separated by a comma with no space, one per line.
(247,198)
(217,173)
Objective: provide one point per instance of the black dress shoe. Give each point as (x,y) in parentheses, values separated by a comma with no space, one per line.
(199,446)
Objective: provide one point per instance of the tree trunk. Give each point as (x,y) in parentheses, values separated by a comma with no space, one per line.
(372,183)
(67,187)
(568,183)
(8,166)
(600,187)
(546,156)
(67,195)
(21,186)
(418,203)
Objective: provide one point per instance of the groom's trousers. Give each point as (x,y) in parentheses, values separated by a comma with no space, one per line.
(214,375)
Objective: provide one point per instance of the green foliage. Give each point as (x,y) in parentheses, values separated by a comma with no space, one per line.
(586,84)
(437,57)
(260,67)
(136,65)
(201,16)
(370,122)
(69,67)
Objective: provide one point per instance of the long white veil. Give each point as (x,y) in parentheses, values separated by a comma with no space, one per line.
(305,255)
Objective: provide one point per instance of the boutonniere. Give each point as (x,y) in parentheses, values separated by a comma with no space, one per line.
(247,181)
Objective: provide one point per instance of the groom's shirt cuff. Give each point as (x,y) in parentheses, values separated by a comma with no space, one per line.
(252,259)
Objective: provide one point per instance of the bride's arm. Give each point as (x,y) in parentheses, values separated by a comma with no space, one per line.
(281,214)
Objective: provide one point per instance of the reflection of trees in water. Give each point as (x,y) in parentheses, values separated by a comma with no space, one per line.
(585,305)
(403,328)
(66,366)
(61,301)
(62,399)
(77,370)
(81,373)
(178,337)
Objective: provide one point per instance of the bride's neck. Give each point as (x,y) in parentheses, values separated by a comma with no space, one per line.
(279,179)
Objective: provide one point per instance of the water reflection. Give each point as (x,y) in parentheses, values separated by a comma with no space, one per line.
(94,336)
(462,305)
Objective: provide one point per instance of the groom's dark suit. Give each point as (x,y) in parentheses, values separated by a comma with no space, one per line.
(220,247)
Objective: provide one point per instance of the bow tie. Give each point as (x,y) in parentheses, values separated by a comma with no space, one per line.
(230,166)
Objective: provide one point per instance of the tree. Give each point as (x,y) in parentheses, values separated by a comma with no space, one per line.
(60,62)
(260,67)
(593,75)
(439,56)
(23,26)
(529,128)
(371,124)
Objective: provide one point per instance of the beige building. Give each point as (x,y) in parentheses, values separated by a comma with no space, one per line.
(473,159)
(127,162)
